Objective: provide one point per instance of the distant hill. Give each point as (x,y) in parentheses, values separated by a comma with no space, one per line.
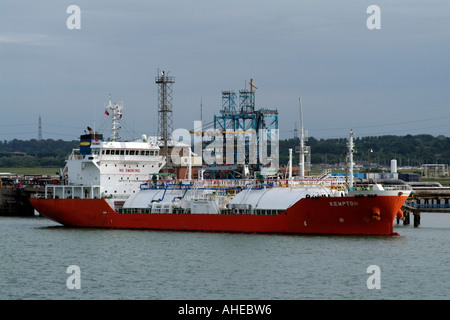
(409,150)
(33,153)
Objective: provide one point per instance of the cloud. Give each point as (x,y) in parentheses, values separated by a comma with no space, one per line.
(322,52)
(34,39)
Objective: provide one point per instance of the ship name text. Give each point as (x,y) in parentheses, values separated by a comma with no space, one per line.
(343,203)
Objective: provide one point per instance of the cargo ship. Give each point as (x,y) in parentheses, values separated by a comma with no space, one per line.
(310,205)
(118,185)
(217,206)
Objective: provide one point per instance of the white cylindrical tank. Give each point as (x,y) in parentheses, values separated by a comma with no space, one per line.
(393,166)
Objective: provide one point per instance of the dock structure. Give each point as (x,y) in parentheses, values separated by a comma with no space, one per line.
(17,189)
(425,198)
(435,170)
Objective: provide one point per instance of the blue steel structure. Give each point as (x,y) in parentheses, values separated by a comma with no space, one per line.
(242,118)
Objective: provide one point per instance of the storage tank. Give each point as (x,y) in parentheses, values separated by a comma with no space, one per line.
(393,166)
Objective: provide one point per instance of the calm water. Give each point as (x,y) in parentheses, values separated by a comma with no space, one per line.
(115,264)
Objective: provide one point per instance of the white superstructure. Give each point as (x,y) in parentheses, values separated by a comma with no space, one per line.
(112,169)
(118,168)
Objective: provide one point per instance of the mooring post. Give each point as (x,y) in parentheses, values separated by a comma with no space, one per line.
(406,218)
(416,219)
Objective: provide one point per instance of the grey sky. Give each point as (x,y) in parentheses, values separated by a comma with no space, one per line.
(375,81)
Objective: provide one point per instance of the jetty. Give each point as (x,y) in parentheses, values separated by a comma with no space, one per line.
(425,197)
(16,190)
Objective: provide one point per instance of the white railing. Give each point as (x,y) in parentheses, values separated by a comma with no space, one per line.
(333,183)
(72,192)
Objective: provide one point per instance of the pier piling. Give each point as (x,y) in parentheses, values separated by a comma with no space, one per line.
(406,218)
(416,219)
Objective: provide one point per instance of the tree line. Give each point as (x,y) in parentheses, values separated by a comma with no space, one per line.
(409,150)
(33,153)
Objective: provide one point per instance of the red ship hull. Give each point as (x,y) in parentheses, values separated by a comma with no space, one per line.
(344,216)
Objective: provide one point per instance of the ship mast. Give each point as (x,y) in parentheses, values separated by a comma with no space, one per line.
(116,110)
(290,165)
(350,156)
(302,143)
